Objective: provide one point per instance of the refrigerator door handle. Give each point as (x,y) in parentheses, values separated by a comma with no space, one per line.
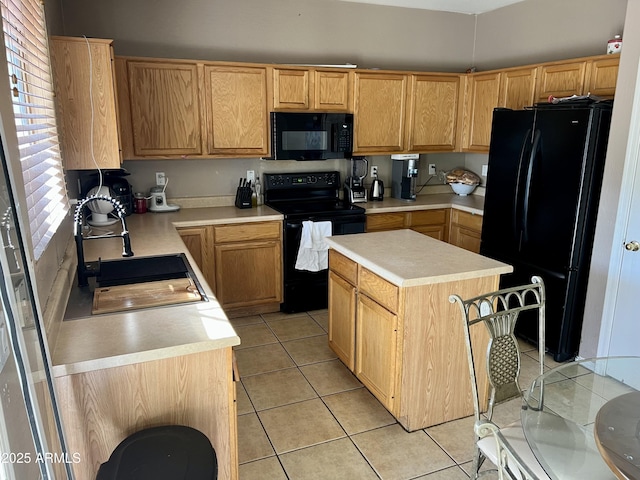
(527,189)
(516,226)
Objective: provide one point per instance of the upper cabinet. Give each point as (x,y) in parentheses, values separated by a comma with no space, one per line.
(379,113)
(165,108)
(236,110)
(482,95)
(87,112)
(433,113)
(311,89)
(188,109)
(602,76)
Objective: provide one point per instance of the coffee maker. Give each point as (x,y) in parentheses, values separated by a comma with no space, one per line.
(354,190)
(404,176)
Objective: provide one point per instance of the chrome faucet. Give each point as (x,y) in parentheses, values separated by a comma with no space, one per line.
(83,272)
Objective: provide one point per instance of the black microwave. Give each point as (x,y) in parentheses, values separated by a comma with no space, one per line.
(311,136)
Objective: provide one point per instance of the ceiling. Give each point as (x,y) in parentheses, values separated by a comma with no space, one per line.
(458,6)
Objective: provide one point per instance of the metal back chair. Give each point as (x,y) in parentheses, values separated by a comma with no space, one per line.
(499,311)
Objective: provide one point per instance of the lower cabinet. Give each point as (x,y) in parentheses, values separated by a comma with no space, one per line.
(405,344)
(466,230)
(104,406)
(434,222)
(242,263)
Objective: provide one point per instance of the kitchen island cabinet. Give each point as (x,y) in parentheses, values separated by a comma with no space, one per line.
(406,341)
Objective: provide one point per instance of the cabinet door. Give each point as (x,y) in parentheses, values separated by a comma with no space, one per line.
(466,230)
(237,116)
(433,113)
(434,223)
(248,273)
(483,97)
(165,108)
(379,112)
(199,241)
(84,84)
(518,89)
(331,90)
(603,75)
(342,318)
(376,341)
(379,222)
(290,89)
(561,80)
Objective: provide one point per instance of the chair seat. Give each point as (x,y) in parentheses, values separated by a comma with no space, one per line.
(172,452)
(515,436)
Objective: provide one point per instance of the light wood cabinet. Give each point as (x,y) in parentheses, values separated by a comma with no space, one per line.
(248,267)
(376,349)
(311,89)
(434,222)
(602,75)
(165,108)
(379,112)
(87,111)
(199,242)
(561,80)
(236,110)
(518,88)
(433,113)
(103,407)
(408,343)
(483,94)
(466,230)
(342,297)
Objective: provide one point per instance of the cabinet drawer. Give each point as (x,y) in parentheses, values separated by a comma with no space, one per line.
(247,231)
(466,219)
(428,217)
(376,287)
(385,221)
(346,268)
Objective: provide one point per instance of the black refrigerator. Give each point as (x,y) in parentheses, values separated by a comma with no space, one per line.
(541,201)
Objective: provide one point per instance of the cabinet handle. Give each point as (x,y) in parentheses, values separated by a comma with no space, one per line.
(632,246)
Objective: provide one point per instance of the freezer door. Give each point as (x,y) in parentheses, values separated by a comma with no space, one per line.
(510,149)
(556,184)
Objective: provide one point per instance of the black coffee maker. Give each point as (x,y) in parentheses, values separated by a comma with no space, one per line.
(114,179)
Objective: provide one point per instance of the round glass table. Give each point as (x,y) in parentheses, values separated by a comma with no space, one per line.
(582,419)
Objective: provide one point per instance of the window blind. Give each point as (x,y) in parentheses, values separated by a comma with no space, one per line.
(25,39)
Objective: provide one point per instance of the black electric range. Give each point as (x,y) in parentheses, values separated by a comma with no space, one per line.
(301,197)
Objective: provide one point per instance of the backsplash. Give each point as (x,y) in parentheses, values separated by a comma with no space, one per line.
(219,177)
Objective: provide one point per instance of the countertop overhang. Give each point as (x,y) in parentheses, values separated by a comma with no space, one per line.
(407,258)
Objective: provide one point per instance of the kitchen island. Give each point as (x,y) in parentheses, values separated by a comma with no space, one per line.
(391,322)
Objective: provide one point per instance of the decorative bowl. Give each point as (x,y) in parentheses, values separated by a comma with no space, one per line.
(462,189)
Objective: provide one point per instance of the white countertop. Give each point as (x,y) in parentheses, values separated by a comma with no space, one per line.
(111,340)
(407,258)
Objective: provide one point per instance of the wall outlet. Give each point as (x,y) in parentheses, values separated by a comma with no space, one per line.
(485,170)
(251,176)
(374,171)
(161,179)
(432,169)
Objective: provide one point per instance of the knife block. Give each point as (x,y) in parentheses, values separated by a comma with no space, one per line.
(243,197)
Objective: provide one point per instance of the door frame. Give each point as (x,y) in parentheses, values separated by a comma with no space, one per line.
(630,178)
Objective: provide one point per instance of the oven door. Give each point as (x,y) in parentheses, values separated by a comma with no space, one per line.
(305,290)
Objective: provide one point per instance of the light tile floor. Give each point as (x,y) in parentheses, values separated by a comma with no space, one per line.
(302,415)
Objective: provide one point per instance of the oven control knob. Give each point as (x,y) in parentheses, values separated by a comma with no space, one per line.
(312,179)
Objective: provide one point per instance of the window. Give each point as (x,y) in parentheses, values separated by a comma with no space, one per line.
(25,39)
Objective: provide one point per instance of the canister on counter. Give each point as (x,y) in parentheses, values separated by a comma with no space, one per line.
(140,203)
(614,45)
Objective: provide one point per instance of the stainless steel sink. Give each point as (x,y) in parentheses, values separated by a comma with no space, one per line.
(128,271)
